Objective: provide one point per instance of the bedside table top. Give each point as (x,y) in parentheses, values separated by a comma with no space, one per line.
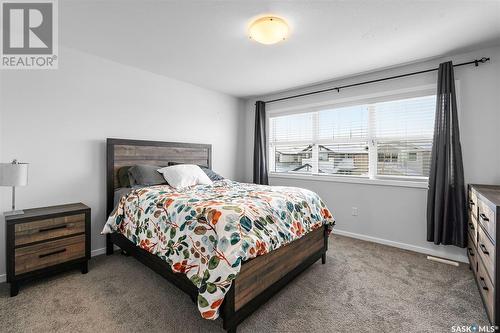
(51,211)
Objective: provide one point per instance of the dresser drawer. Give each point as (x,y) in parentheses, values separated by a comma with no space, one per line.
(473,203)
(472,254)
(35,231)
(486,288)
(486,251)
(486,217)
(472,230)
(33,257)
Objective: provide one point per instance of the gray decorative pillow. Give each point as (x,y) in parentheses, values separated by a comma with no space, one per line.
(123,177)
(209,172)
(212,174)
(147,175)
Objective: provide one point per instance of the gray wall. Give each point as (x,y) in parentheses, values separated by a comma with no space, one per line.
(58,120)
(396,215)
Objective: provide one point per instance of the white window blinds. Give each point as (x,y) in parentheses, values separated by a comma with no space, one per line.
(343,141)
(403,133)
(291,141)
(390,138)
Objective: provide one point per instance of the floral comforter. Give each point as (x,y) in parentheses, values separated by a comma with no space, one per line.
(207,231)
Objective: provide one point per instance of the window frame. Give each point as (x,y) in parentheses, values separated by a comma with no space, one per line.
(372,177)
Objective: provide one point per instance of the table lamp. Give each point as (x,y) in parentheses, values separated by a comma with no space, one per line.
(13,174)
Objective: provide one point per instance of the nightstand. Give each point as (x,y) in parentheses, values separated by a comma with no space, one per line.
(44,241)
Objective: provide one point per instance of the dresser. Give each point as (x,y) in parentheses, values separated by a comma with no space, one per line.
(484,212)
(47,240)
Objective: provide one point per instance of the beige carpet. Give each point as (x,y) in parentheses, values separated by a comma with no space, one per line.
(363,287)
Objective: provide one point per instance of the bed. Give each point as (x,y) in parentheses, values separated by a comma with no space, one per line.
(266,258)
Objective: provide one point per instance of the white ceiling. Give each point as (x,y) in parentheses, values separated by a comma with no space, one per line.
(205,42)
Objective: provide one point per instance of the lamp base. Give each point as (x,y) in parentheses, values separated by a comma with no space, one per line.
(13,212)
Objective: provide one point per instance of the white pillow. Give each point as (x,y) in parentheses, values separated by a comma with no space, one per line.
(184,175)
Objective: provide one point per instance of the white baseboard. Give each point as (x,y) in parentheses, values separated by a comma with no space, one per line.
(97,252)
(404,246)
(93,253)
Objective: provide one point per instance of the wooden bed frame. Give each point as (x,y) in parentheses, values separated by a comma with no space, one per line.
(259,279)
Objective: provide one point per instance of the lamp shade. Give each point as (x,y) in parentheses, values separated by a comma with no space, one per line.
(268,30)
(13,174)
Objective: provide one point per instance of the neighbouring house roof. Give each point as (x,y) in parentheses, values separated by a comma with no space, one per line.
(400,145)
(322,148)
(307,165)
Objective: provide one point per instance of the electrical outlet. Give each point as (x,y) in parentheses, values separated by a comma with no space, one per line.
(354,211)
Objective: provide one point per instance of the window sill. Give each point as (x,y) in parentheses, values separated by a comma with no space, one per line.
(353,180)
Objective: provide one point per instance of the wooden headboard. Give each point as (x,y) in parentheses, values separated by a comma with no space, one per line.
(123,152)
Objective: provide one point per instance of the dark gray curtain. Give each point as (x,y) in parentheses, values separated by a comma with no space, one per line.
(260,150)
(446,209)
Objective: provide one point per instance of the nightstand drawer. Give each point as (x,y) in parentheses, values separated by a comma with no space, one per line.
(33,257)
(35,231)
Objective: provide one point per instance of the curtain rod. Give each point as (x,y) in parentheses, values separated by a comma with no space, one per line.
(475,62)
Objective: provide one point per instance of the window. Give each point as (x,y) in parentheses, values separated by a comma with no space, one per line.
(388,138)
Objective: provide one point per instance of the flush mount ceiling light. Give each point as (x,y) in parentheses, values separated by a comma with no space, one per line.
(268,30)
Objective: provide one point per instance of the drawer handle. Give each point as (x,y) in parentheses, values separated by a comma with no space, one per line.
(471,225)
(471,203)
(470,252)
(51,253)
(62,226)
(483,284)
(484,217)
(483,248)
